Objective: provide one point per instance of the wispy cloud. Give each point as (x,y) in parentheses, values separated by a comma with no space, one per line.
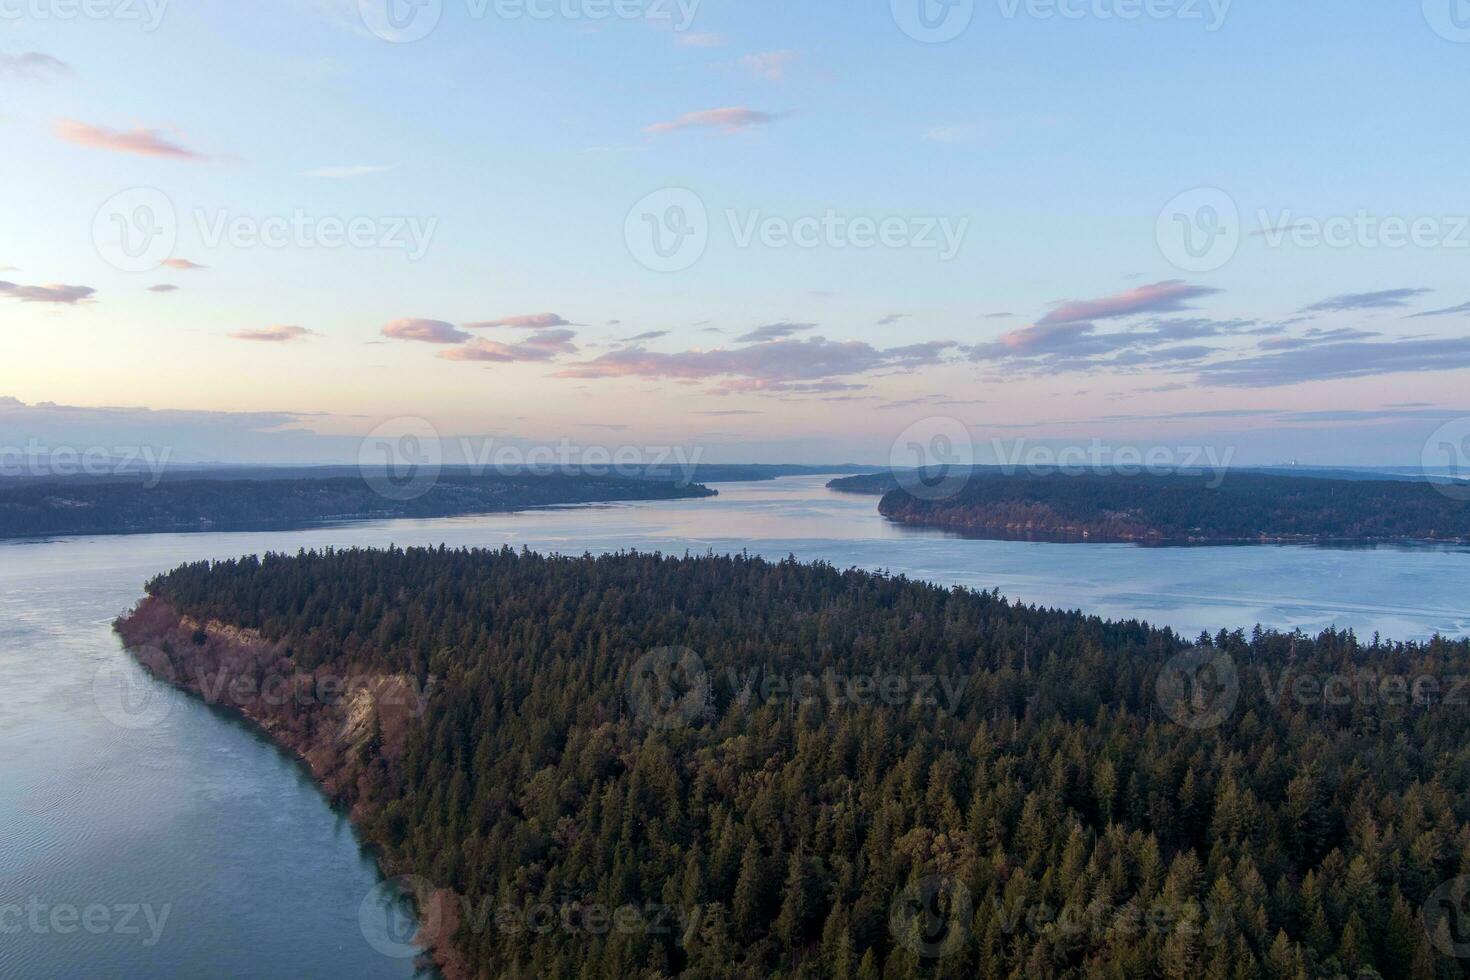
(1382,300)
(1169,296)
(1447,311)
(729,120)
(891,319)
(805,366)
(32,65)
(274,335)
(525,321)
(425,331)
(182,265)
(774,331)
(1354,359)
(53,293)
(1068,339)
(769,65)
(543,346)
(144,142)
(163,287)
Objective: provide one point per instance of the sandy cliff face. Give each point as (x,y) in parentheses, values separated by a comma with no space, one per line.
(351,729)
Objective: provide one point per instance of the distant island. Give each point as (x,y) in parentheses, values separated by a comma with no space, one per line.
(724,768)
(1239,507)
(31,509)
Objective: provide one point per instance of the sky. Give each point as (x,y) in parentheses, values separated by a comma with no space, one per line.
(767,232)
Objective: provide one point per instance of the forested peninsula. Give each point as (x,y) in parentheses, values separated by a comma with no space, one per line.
(721,767)
(47,509)
(1235,508)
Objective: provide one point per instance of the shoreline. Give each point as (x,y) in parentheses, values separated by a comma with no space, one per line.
(153,626)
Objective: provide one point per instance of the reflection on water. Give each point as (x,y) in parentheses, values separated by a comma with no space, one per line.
(262,879)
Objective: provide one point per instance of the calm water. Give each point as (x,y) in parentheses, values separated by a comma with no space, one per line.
(190,847)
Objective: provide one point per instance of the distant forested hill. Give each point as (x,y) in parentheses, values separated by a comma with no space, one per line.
(641,766)
(92,506)
(1240,506)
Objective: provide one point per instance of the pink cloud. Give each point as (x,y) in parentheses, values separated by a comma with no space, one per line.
(1169,296)
(427,331)
(145,142)
(769,65)
(543,346)
(527,321)
(766,366)
(730,120)
(53,293)
(183,265)
(274,335)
